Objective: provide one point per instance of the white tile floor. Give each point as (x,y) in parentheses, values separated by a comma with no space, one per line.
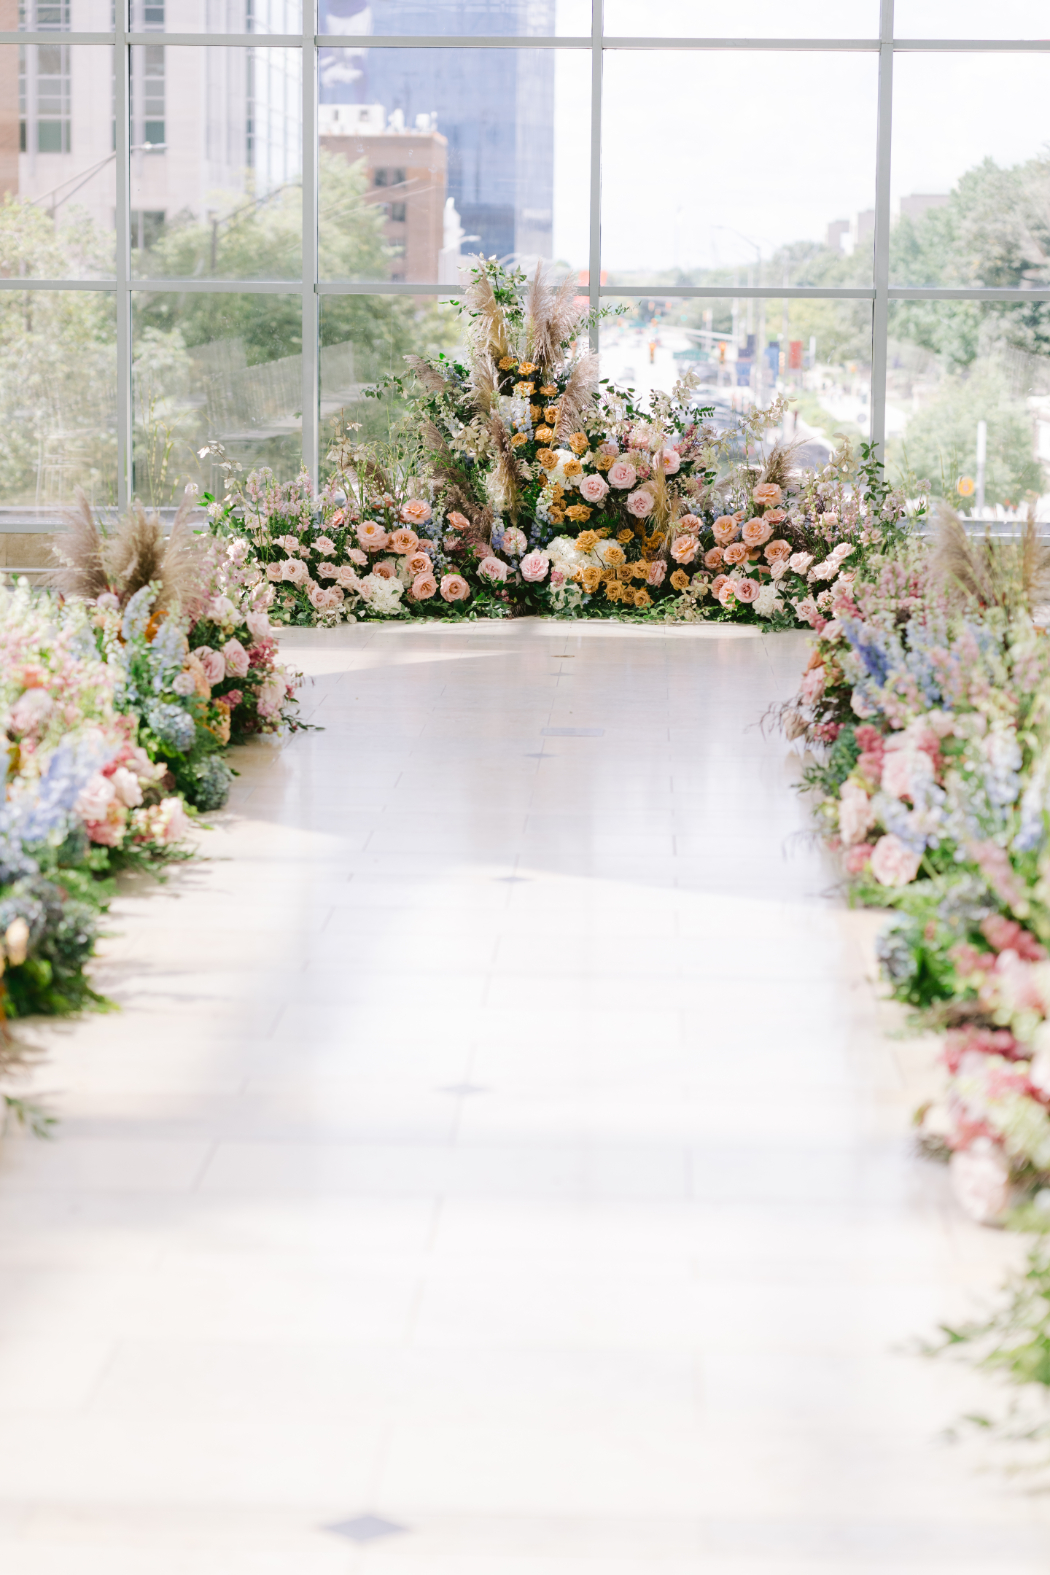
(498,1138)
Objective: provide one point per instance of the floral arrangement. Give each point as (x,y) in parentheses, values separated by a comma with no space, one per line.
(928,695)
(520,484)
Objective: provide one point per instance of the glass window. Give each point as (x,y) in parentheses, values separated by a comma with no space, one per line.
(758,207)
(430,154)
(744,19)
(364,338)
(743,353)
(57,165)
(216,164)
(971,186)
(214,368)
(58,397)
(955,364)
(217,16)
(970,19)
(454,18)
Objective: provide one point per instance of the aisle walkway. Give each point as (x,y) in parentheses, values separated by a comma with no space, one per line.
(496,1168)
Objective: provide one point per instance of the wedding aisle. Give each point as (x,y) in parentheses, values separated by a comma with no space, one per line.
(498,1166)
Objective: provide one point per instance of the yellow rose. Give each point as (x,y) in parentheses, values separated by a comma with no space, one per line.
(642,598)
(640,571)
(507,362)
(551,413)
(614,554)
(603,461)
(544,434)
(614,590)
(535,411)
(652,542)
(518,439)
(547,458)
(524,389)
(587,540)
(572,468)
(527,367)
(680,580)
(578,513)
(626,535)
(548,389)
(557,515)
(578,443)
(591,579)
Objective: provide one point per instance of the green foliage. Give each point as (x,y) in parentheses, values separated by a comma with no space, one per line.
(941,438)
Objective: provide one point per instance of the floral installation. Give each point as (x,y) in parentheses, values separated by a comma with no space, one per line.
(927,695)
(517,483)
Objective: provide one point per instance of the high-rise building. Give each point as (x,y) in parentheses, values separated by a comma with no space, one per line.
(495,107)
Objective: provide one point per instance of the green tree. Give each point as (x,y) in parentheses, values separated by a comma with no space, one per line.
(941,439)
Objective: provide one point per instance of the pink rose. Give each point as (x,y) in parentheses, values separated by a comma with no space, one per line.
(669,461)
(423,587)
(799,562)
(94,798)
(534,565)
(621,474)
(639,503)
(980,1179)
(724,529)
(812,686)
(718,585)
(271,696)
(493,569)
(690,523)
(777,550)
(372,536)
(657,570)
(415,512)
(274,572)
(213,662)
(328,571)
(237,657)
(404,541)
(609,447)
(746,590)
(855,813)
(857,858)
(173,823)
(346,577)
(322,601)
(767,495)
(417,563)
(454,588)
(258,624)
(593,489)
(776,516)
(385,570)
(127,788)
(712,558)
(295,570)
(735,553)
(515,541)
(557,577)
(685,549)
(357,556)
(893,864)
(30,711)
(755,532)
(323,544)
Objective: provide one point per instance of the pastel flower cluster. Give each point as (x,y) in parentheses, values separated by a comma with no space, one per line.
(932,716)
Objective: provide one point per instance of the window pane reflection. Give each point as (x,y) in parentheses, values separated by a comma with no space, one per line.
(214,368)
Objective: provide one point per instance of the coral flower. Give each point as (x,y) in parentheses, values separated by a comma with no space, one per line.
(372,536)
(403,541)
(454,588)
(712,558)
(724,529)
(755,532)
(685,549)
(415,511)
(767,495)
(423,587)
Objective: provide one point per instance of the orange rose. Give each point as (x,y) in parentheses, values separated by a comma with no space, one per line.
(767,495)
(543,434)
(591,578)
(735,553)
(724,529)
(713,558)
(578,443)
(642,597)
(518,439)
(685,549)
(778,550)
(547,458)
(457,521)
(680,580)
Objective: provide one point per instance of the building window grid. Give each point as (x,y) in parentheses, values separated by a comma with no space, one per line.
(142,16)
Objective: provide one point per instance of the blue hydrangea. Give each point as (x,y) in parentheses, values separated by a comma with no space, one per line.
(172,725)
